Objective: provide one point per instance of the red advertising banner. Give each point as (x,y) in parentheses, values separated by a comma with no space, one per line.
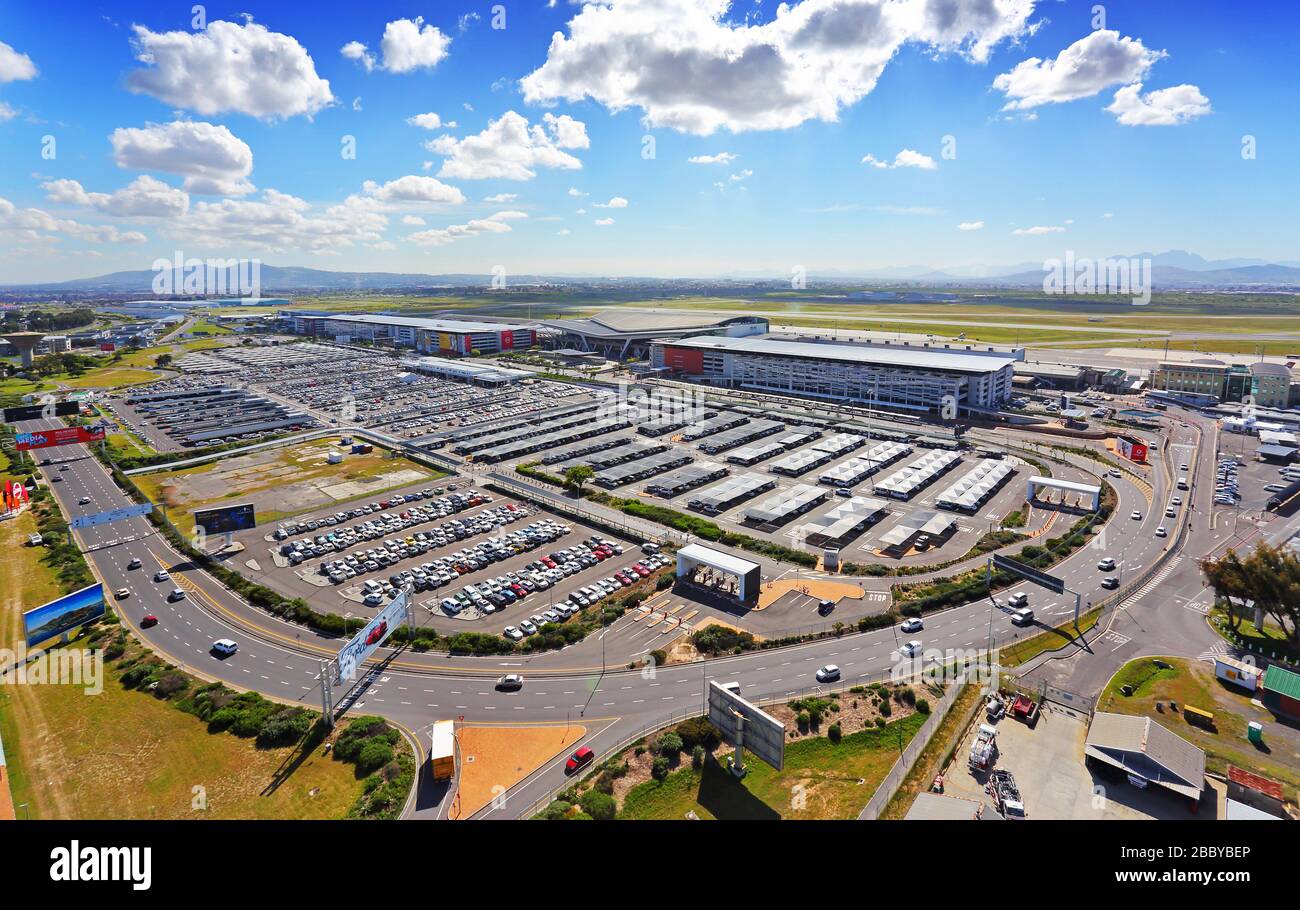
(1131,448)
(507,340)
(44,439)
(107,346)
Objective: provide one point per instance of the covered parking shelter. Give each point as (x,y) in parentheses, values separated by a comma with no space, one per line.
(700,565)
(1147,752)
(1085,490)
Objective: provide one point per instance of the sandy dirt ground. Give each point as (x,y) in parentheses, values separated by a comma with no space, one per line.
(816,587)
(494,759)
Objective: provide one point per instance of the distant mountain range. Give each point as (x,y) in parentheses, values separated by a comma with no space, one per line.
(1172,270)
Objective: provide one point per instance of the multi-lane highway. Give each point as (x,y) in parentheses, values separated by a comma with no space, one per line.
(283,660)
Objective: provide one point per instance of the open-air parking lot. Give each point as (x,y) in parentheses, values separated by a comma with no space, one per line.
(465,554)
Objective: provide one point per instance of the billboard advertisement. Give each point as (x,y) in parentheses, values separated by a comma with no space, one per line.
(107,346)
(63,615)
(1131,448)
(63,436)
(761,733)
(507,340)
(37,411)
(364,643)
(225,519)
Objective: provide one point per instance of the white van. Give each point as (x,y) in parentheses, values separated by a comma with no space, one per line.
(1182,483)
(1022,617)
(1018,599)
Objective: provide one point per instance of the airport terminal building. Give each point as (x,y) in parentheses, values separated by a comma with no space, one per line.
(455,337)
(630,334)
(890,376)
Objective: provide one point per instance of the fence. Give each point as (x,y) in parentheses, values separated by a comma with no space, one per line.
(911,752)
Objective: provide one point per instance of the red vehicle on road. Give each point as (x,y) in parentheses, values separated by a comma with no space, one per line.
(148,620)
(579,760)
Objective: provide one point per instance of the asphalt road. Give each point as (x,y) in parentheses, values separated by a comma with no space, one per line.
(282,660)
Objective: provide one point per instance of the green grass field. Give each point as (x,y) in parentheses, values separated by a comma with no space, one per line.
(821,780)
(123,753)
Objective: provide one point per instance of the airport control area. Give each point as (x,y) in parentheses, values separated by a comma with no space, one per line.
(690,411)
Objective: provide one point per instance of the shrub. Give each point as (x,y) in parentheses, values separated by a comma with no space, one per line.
(886,708)
(923,705)
(697,757)
(285,727)
(833,733)
(699,731)
(374,754)
(598,805)
(558,810)
(804,721)
(670,744)
(659,770)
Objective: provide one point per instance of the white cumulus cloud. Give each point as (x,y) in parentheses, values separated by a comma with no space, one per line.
(719,158)
(689,65)
(15,66)
(497,223)
(971,226)
(407,45)
(414,188)
(1162,107)
(212,159)
(143,197)
(228,68)
(1038,230)
(904,158)
(510,149)
(1095,62)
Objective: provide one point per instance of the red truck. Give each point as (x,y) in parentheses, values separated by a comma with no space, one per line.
(1026,709)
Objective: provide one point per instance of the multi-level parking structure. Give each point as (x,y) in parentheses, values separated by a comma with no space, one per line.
(731,492)
(642,468)
(686,479)
(860,467)
(908,481)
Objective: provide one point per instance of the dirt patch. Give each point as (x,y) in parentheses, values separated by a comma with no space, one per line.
(820,588)
(494,759)
(853,711)
(683,651)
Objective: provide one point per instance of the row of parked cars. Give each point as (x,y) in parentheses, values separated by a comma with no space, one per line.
(539,575)
(1226,491)
(585,596)
(381,526)
(289,529)
(447,568)
(395,549)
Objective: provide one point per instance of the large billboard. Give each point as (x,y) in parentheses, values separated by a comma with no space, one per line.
(38,412)
(1131,448)
(44,439)
(225,519)
(761,733)
(375,633)
(63,615)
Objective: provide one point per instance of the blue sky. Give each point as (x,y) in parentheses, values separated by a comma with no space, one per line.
(218,157)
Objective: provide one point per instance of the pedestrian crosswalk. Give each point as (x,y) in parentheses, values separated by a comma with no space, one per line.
(1220,649)
(1151,585)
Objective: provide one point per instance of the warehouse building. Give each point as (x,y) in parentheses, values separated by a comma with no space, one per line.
(629,335)
(888,376)
(1147,752)
(452,337)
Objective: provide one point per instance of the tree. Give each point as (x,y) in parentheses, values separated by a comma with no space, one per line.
(162,360)
(578,475)
(600,806)
(1270,577)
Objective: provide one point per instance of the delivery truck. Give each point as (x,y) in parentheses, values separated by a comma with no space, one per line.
(442,750)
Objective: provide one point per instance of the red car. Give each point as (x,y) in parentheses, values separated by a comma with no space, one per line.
(548,562)
(376,633)
(640,570)
(579,760)
(148,620)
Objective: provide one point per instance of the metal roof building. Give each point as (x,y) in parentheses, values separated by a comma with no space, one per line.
(429,336)
(622,335)
(913,378)
(1147,751)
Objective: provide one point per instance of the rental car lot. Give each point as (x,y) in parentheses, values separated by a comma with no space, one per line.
(453,543)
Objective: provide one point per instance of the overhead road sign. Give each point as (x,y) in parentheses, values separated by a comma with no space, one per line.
(1050,582)
(104,518)
(39,412)
(44,439)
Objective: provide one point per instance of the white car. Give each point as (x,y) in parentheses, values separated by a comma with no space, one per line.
(224,646)
(1106,564)
(1135,515)
(911,649)
(85,500)
(123,593)
(912,625)
(161,575)
(513,633)
(828,673)
(1161,532)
